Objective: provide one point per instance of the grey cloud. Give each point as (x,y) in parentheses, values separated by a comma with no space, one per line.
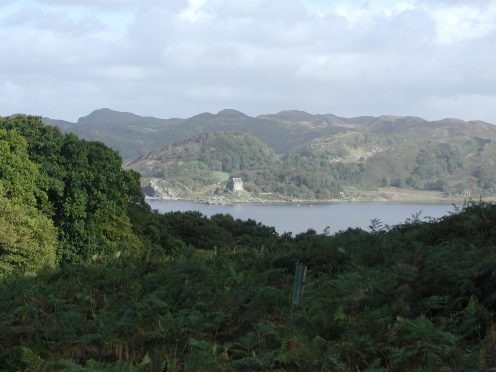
(56,21)
(116,4)
(288,10)
(258,56)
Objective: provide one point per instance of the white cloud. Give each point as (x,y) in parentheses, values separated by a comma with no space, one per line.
(461,23)
(356,13)
(194,10)
(177,58)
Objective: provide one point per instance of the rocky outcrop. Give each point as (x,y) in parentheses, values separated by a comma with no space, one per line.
(161,189)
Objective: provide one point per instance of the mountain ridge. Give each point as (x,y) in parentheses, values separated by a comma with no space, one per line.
(134,136)
(361,117)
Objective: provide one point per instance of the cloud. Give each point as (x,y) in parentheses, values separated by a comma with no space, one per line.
(106,4)
(34,17)
(194,10)
(462,23)
(177,58)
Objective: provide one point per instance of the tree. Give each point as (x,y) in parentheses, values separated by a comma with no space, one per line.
(27,237)
(81,186)
(18,175)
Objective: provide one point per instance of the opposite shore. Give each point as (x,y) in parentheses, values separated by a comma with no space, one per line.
(382,195)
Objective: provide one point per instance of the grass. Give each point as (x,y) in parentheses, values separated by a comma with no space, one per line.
(221,176)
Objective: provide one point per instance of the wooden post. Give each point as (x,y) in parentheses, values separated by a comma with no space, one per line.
(296,299)
(298,285)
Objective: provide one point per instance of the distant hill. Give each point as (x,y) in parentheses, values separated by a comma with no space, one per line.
(444,158)
(297,154)
(65,125)
(221,151)
(134,136)
(205,160)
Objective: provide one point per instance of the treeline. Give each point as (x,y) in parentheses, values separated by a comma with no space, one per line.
(92,279)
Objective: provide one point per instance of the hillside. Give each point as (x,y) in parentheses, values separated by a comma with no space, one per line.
(204,161)
(311,156)
(134,136)
(444,159)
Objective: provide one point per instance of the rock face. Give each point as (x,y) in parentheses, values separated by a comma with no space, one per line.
(161,189)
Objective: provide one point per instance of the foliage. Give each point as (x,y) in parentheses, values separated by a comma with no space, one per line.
(417,296)
(27,237)
(18,175)
(83,188)
(214,293)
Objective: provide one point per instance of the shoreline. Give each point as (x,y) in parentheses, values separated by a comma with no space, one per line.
(320,201)
(386,195)
(349,194)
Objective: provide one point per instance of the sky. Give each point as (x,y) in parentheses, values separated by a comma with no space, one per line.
(177,58)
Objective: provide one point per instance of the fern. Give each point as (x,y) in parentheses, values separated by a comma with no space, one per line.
(33,362)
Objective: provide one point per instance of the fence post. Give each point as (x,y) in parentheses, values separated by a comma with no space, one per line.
(298,285)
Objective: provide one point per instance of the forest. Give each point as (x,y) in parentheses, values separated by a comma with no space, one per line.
(91,279)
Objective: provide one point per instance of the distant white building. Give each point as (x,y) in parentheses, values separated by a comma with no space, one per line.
(234,185)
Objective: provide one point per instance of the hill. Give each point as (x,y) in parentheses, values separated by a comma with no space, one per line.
(454,160)
(203,163)
(313,156)
(450,159)
(134,136)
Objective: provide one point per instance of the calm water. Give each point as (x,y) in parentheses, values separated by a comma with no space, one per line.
(299,218)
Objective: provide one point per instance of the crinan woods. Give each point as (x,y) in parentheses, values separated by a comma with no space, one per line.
(92,279)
